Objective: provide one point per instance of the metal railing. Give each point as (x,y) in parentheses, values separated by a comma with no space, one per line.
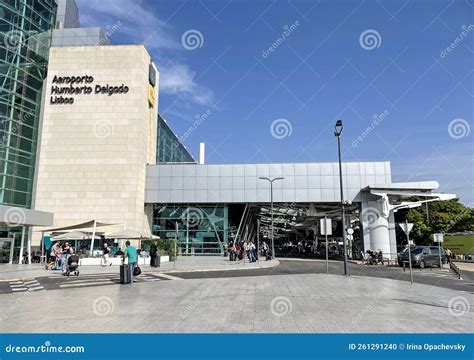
(454,268)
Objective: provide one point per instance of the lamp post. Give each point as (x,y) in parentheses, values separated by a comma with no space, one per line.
(271,206)
(337,132)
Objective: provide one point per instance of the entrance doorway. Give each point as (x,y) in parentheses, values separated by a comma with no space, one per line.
(6,250)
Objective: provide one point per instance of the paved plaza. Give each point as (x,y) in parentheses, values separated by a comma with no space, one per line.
(297,303)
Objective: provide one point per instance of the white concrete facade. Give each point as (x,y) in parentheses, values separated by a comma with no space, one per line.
(93,153)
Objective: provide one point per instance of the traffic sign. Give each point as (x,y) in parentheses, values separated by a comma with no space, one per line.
(439,238)
(406,227)
(325,226)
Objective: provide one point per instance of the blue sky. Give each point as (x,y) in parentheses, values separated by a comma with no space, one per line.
(383,67)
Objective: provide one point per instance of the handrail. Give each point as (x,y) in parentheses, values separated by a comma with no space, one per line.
(455,269)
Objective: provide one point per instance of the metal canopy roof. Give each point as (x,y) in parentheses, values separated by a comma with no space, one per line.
(87,224)
(13,216)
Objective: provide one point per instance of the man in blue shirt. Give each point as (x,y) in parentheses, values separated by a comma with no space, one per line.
(131,253)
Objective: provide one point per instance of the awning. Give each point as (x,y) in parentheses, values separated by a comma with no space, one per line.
(87,224)
(130,234)
(74,235)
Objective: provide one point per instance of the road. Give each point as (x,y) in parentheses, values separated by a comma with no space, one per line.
(427,276)
(434,277)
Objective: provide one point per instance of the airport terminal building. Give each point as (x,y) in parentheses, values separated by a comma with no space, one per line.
(82,140)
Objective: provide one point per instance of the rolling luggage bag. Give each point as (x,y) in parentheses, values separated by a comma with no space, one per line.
(125,274)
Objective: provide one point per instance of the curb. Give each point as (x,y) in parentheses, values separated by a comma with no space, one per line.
(277,262)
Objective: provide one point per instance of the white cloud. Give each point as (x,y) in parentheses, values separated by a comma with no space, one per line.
(451,165)
(140,25)
(178,79)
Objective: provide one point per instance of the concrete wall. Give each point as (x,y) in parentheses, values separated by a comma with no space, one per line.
(93,153)
(238,183)
(68,13)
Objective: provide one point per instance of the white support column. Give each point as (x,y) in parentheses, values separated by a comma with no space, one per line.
(93,237)
(29,247)
(22,244)
(202,153)
(376,229)
(42,246)
(12,249)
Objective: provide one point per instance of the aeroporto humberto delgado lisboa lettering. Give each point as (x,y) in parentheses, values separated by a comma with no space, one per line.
(112,161)
(80,90)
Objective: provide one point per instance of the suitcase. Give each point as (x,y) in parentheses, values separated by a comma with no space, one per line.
(125,274)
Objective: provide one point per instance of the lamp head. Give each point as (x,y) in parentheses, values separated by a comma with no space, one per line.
(338,128)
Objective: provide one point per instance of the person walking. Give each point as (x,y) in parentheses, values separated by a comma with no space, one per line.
(66,252)
(131,254)
(105,256)
(264,249)
(153,255)
(251,251)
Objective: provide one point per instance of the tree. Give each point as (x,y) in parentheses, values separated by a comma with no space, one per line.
(436,217)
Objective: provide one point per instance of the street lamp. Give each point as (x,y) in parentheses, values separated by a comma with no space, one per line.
(337,133)
(271,206)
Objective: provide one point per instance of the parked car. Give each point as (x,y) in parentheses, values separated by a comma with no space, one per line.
(422,256)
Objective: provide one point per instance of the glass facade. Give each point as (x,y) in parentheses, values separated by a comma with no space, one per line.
(169,148)
(200,229)
(25,31)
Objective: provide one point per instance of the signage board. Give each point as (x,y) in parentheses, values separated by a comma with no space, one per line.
(406,227)
(64,89)
(439,238)
(151,95)
(151,75)
(325,226)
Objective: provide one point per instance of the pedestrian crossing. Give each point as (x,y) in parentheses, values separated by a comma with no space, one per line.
(446,274)
(25,285)
(57,281)
(100,280)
